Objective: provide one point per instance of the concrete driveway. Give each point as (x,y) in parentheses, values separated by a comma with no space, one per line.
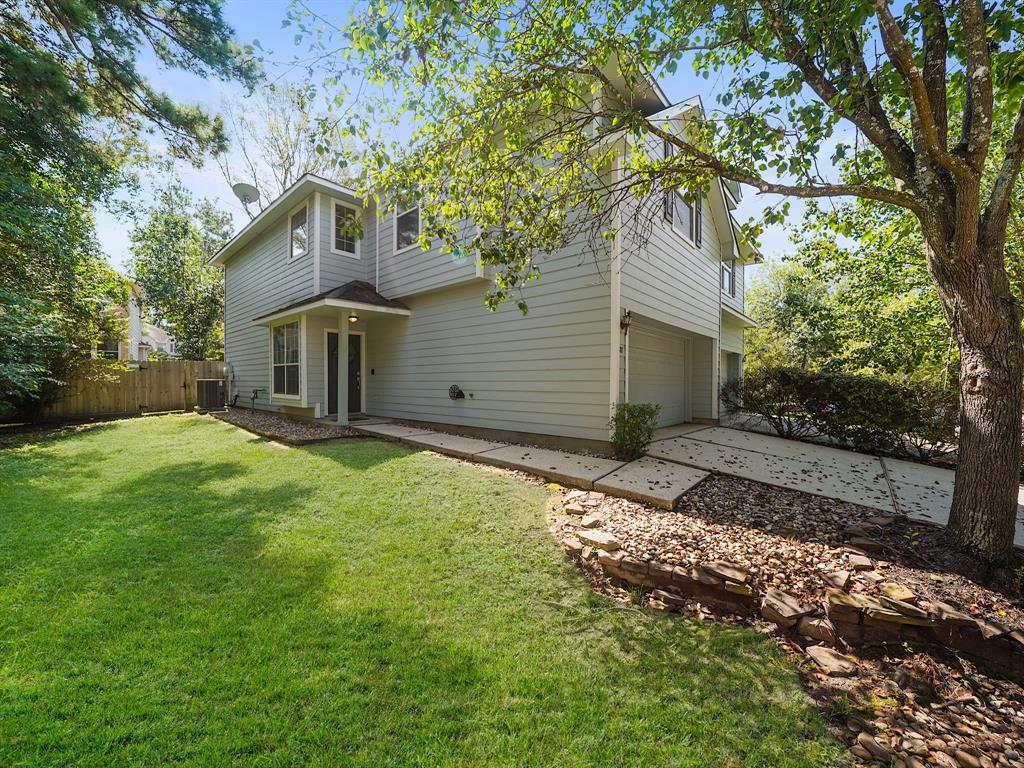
(890,485)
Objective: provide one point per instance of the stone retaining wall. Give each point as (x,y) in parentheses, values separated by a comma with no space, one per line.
(858,619)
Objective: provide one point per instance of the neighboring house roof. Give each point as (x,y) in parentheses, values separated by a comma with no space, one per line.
(354,294)
(156,333)
(288,199)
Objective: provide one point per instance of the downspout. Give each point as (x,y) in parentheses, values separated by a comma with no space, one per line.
(376,245)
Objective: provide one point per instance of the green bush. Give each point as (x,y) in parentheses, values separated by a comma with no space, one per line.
(867,413)
(936,419)
(633,428)
(773,393)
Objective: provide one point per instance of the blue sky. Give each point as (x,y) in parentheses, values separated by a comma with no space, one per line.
(261,20)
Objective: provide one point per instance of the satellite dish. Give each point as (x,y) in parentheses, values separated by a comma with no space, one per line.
(247,193)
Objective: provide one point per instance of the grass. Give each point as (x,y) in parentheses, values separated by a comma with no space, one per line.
(173,589)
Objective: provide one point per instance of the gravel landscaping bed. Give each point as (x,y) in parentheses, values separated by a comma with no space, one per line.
(283,428)
(785,555)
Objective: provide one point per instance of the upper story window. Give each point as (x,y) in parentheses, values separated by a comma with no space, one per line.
(698,219)
(346,230)
(286,359)
(684,216)
(729,277)
(298,233)
(407,228)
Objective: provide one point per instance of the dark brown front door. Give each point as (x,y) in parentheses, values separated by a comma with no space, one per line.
(355,373)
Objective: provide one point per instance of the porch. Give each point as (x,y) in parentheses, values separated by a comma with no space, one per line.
(318,351)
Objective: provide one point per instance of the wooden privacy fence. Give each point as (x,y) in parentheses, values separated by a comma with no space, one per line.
(156,386)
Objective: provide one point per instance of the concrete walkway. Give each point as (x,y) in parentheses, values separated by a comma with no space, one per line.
(682,458)
(919,491)
(651,480)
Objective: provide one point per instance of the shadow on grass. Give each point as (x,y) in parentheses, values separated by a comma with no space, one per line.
(247,609)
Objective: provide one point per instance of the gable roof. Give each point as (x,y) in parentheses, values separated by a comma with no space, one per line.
(292,196)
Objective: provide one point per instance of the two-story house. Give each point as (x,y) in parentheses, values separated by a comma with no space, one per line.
(322,323)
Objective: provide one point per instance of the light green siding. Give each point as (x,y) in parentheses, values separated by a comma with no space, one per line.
(258,281)
(546,372)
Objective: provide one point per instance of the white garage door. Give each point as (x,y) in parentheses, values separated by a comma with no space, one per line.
(657,372)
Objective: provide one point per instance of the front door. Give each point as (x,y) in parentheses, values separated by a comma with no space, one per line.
(355,373)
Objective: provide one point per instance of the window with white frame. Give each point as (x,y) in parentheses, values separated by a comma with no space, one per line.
(286,359)
(407,228)
(346,230)
(298,232)
(729,277)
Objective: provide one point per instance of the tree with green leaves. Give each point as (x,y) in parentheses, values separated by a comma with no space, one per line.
(519,108)
(73,107)
(796,317)
(170,251)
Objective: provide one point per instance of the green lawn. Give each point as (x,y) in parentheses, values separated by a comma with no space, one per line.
(173,589)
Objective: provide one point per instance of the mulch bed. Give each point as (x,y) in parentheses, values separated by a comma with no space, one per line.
(904,706)
(282,428)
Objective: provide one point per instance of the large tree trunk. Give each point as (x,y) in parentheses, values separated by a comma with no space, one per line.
(987,322)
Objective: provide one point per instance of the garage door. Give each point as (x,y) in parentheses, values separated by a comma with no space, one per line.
(657,372)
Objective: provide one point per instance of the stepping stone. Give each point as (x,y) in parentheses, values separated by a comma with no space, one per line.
(657,482)
(575,509)
(592,521)
(396,431)
(599,540)
(456,445)
(560,466)
(831,661)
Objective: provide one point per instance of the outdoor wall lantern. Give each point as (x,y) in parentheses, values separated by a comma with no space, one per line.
(625,320)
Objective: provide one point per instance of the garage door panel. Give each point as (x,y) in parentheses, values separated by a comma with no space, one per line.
(657,373)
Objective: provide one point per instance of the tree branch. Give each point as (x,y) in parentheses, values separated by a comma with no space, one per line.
(998,208)
(763,186)
(978,106)
(869,116)
(902,57)
(936,48)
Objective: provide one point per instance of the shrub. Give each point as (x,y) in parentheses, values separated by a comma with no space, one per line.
(867,413)
(936,419)
(633,428)
(774,394)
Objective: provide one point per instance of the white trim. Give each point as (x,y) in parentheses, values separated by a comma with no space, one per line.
(333,303)
(376,246)
(288,232)
(316,243)
(615,329)
(394,229)
(303,362)
(358,211)
(273,395)
(362,371)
